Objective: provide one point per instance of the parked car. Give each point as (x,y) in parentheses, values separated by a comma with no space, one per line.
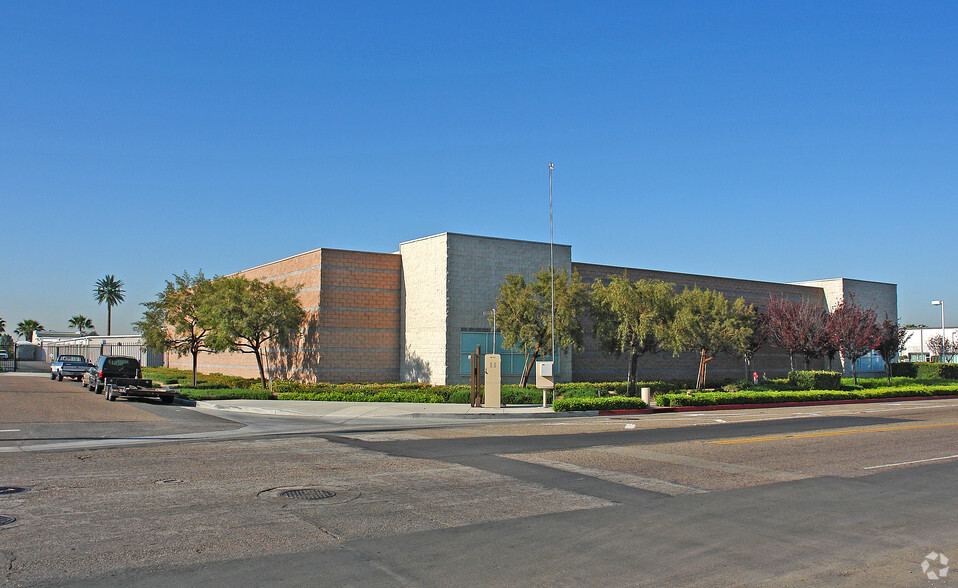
(110,366)
(70,366)
(4,354)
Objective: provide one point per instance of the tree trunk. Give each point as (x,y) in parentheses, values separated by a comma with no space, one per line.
(259,363)
(791,360)
(525,373)
(633,364)
(109,317)
(700,380)
(195,353)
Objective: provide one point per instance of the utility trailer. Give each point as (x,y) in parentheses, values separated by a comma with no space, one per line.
(114,388)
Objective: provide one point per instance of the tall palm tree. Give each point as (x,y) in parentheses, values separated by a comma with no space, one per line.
(110,290)
(80,323)
(26,328)
(3,325)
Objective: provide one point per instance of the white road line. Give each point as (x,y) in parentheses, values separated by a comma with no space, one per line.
(9,430)
(888,465)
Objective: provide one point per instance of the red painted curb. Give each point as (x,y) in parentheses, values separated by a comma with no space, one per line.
(788,404)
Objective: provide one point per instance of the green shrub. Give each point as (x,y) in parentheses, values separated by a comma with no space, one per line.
(224,394)
(603,403)
(925,370)
(374,396)
(753,397)
(815,380)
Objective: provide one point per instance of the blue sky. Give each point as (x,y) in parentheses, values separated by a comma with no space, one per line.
(778,141)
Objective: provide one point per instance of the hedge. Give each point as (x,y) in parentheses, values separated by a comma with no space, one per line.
(815,380)
(603,403)
(925,370)
(771,397)
(374,396)
(224,394)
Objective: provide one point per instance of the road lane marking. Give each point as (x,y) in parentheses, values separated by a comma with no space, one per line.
(888,465)
(829,434)
(657,485)
(9,430)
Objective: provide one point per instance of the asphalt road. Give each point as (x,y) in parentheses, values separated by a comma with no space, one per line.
(851,495)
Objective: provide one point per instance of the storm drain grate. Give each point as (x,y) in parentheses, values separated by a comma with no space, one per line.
(308,494)
(5,520)
(4,490)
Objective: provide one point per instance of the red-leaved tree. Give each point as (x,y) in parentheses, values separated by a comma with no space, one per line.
(798,327)
(891,341)
(854,331)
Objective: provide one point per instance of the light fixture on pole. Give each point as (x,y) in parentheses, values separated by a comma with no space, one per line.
(941,303)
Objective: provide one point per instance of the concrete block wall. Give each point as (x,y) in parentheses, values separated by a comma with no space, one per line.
(593,364)
(476,268)
(881,297)
(424,304)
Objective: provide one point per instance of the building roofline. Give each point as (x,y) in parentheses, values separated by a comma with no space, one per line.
(763,282)
(447,233)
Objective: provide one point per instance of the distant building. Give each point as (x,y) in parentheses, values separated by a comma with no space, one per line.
(417,314)
(917,349)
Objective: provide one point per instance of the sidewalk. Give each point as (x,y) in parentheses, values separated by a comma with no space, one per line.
(352,410)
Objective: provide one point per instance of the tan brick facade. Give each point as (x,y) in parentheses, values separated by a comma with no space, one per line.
(351,332)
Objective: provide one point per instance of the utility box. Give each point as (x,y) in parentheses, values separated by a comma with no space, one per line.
(545,378)
(492,398)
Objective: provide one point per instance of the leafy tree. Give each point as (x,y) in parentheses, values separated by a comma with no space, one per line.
(81,323)
(26,328)
(748,347)
(891,342)
(632,317)
(6,342)
(854,331)
(940,347)
(174,321)
(110,290)
(798,327)
(244,315)
(706,323)
(524,313)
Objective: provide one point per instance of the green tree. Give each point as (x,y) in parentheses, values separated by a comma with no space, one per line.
(110,290)
(81,323)
(524,313)
(706,323)
(174,321)
(26,328)
(632,317)
(244,315)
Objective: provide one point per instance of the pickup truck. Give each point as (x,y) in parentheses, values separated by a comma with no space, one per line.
(69,366)
(118,376)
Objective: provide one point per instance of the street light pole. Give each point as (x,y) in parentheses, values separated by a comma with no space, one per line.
(552,271)
(941,303)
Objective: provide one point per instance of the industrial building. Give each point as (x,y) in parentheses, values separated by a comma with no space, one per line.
(416,314)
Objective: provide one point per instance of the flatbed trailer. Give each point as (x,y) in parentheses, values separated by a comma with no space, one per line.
(114,388)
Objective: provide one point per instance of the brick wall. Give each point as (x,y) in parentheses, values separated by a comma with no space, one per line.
(351,332)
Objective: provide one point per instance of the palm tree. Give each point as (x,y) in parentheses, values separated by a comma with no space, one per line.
(80,322)
(26,328)
(110,290)
(3,325)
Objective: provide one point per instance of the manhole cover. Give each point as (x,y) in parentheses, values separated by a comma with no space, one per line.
(5,520)
(308,494)
(4,490)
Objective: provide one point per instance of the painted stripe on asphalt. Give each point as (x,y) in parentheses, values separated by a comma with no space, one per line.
(888,465)
(829,434)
